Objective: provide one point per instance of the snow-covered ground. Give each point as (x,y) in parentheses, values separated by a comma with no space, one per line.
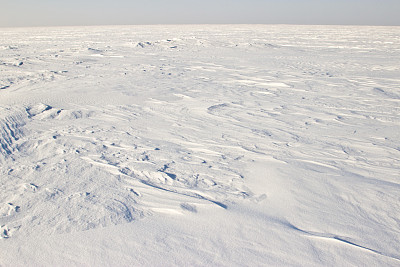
(200,146)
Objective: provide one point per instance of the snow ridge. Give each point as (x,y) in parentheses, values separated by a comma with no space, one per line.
(12,126)
(11,131)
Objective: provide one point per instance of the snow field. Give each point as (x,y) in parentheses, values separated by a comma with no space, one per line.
(200,145)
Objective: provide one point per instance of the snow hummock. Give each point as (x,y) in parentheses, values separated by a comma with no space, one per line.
(200,145)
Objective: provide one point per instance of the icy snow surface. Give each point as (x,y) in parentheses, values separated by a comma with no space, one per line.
(200,145)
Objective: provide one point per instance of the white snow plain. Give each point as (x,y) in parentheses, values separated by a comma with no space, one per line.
(213,145)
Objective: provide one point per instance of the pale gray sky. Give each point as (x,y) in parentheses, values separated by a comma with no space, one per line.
(115,12)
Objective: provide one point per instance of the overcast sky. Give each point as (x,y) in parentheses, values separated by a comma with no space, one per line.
(115,12)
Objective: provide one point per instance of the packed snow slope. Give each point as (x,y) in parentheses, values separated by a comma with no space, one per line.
(200,146)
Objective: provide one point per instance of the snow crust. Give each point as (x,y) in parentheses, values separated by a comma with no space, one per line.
(246,145)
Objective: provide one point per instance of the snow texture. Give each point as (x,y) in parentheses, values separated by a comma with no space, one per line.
(200,146)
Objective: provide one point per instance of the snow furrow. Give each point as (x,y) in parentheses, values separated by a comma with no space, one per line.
(11,129)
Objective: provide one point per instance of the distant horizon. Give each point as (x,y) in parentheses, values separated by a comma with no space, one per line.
(194,24)
(58,13)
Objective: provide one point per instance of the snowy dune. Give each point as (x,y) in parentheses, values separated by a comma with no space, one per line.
(200,145)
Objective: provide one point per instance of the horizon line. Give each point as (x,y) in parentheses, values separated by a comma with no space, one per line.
(194,24)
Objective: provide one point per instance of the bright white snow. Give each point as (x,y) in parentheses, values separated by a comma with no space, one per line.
(200,145)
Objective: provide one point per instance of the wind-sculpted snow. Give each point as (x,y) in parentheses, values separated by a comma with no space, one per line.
(200,145)
(72,150)
(10,132)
